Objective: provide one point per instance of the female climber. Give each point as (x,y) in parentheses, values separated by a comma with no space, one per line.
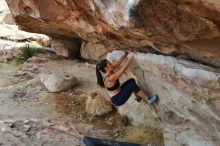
(119,94)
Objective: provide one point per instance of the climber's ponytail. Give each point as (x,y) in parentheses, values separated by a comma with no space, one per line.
(101,67)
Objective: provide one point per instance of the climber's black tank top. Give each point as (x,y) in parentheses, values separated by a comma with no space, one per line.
(115,86)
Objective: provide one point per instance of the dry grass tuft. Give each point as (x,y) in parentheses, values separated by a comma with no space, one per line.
(142,135)
(97,103)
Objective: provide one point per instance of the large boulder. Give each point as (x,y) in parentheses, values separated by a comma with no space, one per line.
(56,82)
(188,109)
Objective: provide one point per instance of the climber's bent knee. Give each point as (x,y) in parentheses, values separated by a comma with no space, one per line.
(127,88)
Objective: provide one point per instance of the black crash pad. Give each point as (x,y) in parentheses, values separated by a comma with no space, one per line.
(90,141)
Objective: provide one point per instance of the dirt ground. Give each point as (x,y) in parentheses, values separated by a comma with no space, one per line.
(22,96)
(112,122)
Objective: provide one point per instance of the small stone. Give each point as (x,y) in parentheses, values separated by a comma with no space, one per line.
(110,121)
(116,135)
(26,128)
(47,122)
(82,95)
(91,118)
(5,129)
(64,128)
(76,103)
(70,94)
(26,121)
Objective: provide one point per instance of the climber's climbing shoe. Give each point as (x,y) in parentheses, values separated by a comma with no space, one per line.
(152,99)
(138,99)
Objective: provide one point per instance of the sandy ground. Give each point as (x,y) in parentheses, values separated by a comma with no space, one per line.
(23,97)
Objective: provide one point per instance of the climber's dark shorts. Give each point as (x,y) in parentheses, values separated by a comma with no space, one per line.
(127,88)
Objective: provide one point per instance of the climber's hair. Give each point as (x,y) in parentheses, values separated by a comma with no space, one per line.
(101,67)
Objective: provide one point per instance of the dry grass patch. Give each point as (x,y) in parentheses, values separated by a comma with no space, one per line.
(141,135)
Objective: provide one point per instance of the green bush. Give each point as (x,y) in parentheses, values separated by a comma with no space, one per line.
(27,52)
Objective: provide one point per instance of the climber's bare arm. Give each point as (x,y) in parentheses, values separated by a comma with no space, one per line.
(119,61)
(118,74)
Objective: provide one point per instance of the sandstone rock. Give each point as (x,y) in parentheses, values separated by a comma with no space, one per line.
(173,118)
(57,83)
(93,51)
(113,56)
(8,19)
(66,48)
(135,24)
(189,137)
(214,104)
(187,91)
(88,22)
(6,55)
(26,128)
(11,32)
(5,15)
(37,133)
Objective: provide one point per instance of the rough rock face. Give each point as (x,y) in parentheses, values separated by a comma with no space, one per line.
(188,110)
(5,15)
(94,51)
(66,48)
(11,39)
(25,132)
(167,26)
(6,55)
(11,33)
